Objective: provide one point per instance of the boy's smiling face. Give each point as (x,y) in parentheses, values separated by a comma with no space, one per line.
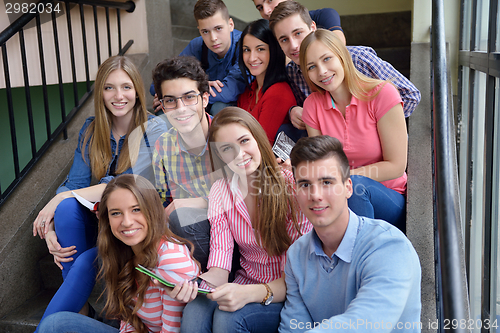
(290,32)
(216,33)
(184,118)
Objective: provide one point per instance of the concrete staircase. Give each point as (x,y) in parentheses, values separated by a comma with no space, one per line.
(29,278)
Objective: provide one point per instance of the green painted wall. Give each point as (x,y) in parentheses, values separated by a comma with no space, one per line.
(23,144)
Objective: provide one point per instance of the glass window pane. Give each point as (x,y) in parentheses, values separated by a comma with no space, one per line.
(497,48)
(467,23)
(495,215)
(463,160)
(477,214)
(483,7)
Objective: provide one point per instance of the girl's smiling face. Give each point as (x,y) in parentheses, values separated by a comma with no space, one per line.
(126,220)
(256,56)
(238,149)
(119,94)
(323,67)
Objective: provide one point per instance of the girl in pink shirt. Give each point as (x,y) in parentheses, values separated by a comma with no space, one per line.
(254,206)
(133,230)
(366,115)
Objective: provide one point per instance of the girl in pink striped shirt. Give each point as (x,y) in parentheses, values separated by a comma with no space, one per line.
(132,231)
(254,205)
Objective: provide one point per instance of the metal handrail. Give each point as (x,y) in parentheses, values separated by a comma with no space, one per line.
(12,29)
(451,278)
(17,27)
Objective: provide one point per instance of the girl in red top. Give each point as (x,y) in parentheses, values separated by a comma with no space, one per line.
(269,97)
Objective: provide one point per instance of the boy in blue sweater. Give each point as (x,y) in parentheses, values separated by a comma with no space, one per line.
(217,51)
(350,273)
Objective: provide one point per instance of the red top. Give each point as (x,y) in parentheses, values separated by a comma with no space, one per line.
(271,111)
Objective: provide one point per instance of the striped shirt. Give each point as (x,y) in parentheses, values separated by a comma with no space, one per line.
(178,173)
(367,62)
(230,221)
(160,312)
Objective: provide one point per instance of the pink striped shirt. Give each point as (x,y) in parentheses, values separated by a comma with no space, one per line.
(230,221)
(160,312)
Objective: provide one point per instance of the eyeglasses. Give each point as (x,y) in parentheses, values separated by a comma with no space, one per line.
(170,103)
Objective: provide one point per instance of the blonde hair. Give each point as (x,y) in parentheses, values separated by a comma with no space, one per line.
(274,206)
(358,84)
(99,131)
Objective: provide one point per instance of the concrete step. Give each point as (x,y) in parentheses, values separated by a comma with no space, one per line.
(399,57)
(25,318)
(50,273)
(184,33)
(179,45)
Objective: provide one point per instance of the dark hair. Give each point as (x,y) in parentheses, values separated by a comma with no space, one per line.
(276,69)
(310,149)
(288,8)
(208,8)
(180,67)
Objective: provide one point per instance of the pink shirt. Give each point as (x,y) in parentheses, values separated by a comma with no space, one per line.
(160,312)
(230,221)
(358,130)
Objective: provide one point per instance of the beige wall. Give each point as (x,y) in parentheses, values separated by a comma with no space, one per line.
(133,27)
(422,18)
(245,9)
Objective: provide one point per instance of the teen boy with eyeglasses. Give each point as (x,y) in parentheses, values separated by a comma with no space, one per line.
(181,160)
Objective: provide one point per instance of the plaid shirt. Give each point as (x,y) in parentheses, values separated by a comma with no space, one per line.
(178,173)
(366,61)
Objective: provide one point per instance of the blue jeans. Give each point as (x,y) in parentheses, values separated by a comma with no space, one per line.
(75,225)
(217,107)
(77,287)
(203,316)
(69,322)
(293,133)
(192,224)
(372,199)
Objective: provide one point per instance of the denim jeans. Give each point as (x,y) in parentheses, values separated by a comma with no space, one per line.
(75,225)
(293,133)
(192,224)
(70,322)
(217,107)
(372,199)
(77,287)
(203,316)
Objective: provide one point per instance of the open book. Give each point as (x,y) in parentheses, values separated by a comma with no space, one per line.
(165,282)
(93,206)
(283,146)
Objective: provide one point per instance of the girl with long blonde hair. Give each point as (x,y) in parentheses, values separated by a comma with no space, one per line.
(133,231)
(366,115)
(254,206)
(118,139)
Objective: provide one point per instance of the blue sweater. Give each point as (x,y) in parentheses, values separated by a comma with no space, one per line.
(219,69)
(370,284)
